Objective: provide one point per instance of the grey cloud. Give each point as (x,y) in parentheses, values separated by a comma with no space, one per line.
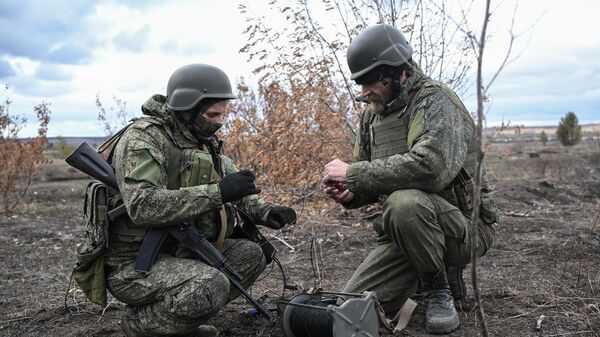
(134,41)
(544,107)
(544,89)
(70,53)
(21,42)
(33,28)
(6,69)
(43,89)
(10,8)
(52,72)
(574,74)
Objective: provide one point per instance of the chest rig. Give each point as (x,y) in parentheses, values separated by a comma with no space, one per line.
(188,165)
(192,167)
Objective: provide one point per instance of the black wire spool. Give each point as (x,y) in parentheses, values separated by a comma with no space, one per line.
(300,320)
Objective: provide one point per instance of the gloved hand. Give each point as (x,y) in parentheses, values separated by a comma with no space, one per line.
(279,216)
(237,185)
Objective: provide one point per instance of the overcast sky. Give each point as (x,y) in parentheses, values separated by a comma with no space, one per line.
(67,51)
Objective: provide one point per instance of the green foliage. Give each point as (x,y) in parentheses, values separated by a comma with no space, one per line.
(569,130)
(543,137)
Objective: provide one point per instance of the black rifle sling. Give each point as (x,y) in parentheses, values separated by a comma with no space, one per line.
(155,237)
(150,248)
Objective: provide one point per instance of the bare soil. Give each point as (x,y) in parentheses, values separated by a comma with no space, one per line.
(544,266)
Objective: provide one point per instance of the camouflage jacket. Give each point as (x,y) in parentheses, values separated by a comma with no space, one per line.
(141,163)
(440,140)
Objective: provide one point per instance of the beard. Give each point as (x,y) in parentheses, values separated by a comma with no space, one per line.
(378,107)
(379,102)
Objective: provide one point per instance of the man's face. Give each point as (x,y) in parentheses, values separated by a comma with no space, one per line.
(378,94)
(216,112)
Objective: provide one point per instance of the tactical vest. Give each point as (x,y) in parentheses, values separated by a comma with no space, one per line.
(186,167)
(388,135)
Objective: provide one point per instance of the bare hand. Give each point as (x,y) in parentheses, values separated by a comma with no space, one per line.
(338,192)
(335,171)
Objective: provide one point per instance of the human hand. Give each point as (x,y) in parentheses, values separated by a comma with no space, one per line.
(237,185)
(335,171)
(338,192)
(280,216)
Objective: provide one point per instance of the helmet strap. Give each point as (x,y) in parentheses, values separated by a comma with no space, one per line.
(393,84)
(396,87)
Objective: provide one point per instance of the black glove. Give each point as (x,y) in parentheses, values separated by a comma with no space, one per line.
(237,185)
(279,216)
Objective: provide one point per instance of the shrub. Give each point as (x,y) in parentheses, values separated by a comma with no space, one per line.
(544,138)
(569,130)
(19,158)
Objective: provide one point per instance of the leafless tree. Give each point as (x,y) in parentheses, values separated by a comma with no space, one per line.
(482,89)
(314,40)
(116,117)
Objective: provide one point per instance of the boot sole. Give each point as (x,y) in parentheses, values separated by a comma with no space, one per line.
(445,329)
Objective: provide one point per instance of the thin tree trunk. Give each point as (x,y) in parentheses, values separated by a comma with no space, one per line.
(478,171)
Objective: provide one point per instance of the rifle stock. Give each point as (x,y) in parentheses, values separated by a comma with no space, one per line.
(87,160)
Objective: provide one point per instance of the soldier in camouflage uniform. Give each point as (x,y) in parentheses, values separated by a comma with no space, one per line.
(415,154)
(169,170)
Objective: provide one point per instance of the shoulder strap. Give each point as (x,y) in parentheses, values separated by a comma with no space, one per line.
(174,167)
(107,148)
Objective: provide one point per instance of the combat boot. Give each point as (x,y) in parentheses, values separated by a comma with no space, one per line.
(441,316)
(458,288)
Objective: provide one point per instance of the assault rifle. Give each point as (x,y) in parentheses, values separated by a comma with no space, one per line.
(88,161)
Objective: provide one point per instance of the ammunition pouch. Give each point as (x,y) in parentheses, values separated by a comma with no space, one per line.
(89,272)
(461,193)
(488,212)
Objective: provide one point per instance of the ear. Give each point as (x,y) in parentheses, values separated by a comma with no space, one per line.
(185,115)
(403,77)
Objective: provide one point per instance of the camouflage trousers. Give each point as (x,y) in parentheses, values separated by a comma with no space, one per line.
(419,232)
(178,294)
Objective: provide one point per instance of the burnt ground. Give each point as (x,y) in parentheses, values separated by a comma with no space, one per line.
(546,260)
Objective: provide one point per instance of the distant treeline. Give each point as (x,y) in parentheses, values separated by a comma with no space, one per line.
(54,141)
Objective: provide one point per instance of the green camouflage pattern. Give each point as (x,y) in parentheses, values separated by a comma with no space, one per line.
(440,133)
(178,293)
(141,162)
(418,232)
(431,137)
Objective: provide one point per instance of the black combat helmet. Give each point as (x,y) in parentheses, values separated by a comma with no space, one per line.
(192,83)
(377,45)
